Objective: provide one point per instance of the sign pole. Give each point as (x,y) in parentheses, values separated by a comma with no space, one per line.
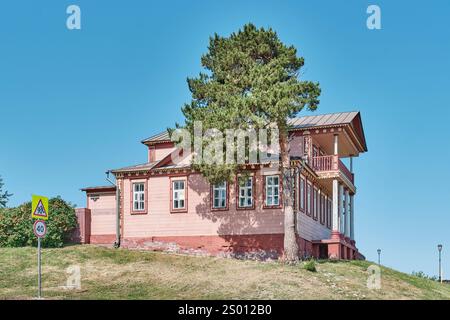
(39,210)
(39,269)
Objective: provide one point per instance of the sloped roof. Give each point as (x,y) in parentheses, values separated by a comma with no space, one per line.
(305,122)
(99,189)
(322,120)
(138,167)
(300,123)
(160,137)
(351,119)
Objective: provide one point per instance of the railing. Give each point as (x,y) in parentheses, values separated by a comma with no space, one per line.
(331,163)
(325,163)
(346,172)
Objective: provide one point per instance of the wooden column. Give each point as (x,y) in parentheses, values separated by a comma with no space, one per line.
(307,148)
(352,218)
(336,144)
(341,208)
(347,215)
(335,207)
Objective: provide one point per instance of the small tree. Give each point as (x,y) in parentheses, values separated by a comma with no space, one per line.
(252,81)
(4,195)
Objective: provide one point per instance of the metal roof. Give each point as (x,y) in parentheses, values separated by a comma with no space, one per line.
(305,122)
(300,123)
(160,137)
(138,167)
(173,166)
(323,120)
(99,188)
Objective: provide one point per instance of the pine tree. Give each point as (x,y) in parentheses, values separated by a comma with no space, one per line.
(251,81)
(3,195)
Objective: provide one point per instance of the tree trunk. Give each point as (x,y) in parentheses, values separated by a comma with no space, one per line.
(290,241)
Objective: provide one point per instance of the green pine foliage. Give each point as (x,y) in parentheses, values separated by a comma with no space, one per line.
(16,225)
(4,195)
(251,80)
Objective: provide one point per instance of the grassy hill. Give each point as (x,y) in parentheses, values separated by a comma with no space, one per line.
(125,274)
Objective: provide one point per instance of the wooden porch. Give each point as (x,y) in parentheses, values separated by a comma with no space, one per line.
(332,164)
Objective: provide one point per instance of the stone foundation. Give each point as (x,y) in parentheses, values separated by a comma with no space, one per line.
(256,247)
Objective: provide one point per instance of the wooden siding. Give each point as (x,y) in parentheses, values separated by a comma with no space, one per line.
(199,218)
(310,229)
(103,213)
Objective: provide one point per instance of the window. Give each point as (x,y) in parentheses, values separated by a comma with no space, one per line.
(322,209)
(220,195)
(139,196)
(329,214)
(302,194)
(315,205)
(272,190)
(178,194)
(308,199)
(344,210)
(245,199)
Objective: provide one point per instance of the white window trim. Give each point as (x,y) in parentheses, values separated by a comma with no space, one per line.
(180,194)
(322,214)
(273,187)
(302,192)
(246,197)
(315,204)
(220,188)
(136,197)
(309,192)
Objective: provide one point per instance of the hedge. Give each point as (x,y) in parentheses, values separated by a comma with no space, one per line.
(16,225)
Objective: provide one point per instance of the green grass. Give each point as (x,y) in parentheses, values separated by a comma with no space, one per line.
(128,274)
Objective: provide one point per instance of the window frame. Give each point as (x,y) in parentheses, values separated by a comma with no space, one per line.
(315,203)
(322,208)
(238,194)
(134,182)
(280,190)
(227,198)
(172,193)
(309,198)
(329,214)
(302,194)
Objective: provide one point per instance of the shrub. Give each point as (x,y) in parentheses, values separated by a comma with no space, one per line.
(421,274)
(16,225)
(310,265)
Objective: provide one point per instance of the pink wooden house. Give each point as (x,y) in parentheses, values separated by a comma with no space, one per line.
(166,206)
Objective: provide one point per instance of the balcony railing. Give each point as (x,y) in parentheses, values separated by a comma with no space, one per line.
(331,163)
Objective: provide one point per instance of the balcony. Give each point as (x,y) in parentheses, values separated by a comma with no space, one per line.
(331,164)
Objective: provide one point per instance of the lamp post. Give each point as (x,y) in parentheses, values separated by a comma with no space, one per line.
(379,255)
(440,269)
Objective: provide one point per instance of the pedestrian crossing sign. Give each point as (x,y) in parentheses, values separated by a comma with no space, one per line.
(39,207)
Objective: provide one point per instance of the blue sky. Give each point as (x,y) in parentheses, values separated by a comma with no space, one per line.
(76,103)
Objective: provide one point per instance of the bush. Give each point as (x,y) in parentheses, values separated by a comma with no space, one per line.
(16,225)
(310,265)
(421,274)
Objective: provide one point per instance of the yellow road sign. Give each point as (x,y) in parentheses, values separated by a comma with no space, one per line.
(39,207)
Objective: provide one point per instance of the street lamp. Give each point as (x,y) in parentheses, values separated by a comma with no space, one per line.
(440,269)
(379,254)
